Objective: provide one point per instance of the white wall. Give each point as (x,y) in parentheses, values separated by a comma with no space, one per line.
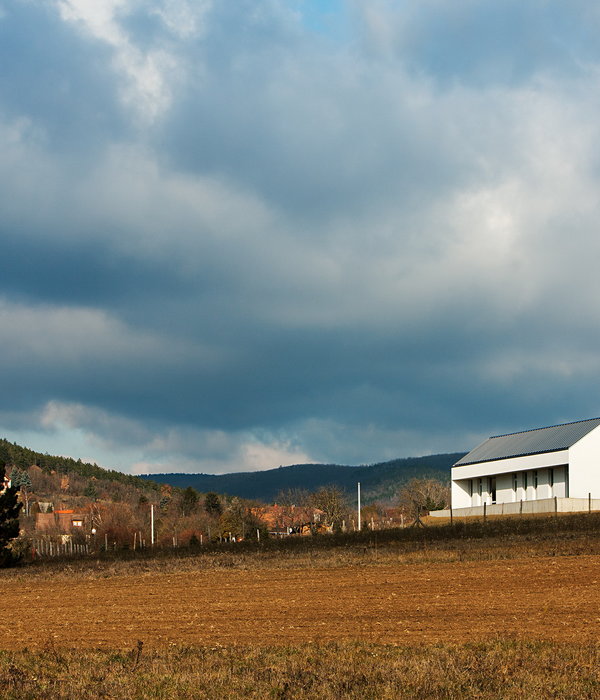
(462,488)
(460,494)
(584,461)
(560,482)
(504,489)
(514,464)
(526,488)
(544,488)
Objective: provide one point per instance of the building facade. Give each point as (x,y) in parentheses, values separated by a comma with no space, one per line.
(556,462)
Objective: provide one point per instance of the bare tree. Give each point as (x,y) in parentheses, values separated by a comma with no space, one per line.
(333,502)
(419,496)
(294,508)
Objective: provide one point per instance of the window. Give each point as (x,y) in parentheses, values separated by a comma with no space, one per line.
(551,477)
(535,479)
(470,488)
(525,480)
(493,488)
(77,523)
(480,486)
(515,483)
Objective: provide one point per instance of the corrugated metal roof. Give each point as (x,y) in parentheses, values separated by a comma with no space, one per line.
(530,442)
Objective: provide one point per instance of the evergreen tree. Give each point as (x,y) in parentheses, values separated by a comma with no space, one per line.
(15,477)
(212,504)
(9,520)
(189,501)
(164,503)
(20,478)
(91,492)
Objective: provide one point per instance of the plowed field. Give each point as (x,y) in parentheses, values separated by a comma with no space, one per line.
(553,598)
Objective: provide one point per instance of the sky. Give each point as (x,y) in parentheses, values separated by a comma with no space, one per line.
(239,235)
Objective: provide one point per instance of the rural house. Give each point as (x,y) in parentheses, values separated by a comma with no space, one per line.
(64,521)
(556,468)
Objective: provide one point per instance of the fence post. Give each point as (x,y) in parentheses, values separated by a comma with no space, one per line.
(484,511)
(451,521)
(589,502)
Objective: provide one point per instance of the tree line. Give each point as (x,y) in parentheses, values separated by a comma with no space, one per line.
(118,511)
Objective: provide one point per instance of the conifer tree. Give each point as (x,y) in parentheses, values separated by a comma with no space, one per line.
(9,519)
(189,501)
(91,492)
(212,504)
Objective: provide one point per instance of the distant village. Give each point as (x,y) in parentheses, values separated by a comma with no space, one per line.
(66,513)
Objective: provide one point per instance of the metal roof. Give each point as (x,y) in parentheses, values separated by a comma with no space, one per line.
(530,442)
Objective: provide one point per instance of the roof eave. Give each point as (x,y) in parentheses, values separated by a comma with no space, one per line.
(500,459)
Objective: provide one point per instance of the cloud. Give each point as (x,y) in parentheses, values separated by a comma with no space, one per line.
(483,43)
(233,237)
(144,447)
(144,74)
(57,81)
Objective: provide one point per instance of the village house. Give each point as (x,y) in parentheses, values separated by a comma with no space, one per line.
(290,520)
(63,521)
(534,471)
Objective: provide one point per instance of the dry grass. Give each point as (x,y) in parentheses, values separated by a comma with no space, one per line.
(501,668)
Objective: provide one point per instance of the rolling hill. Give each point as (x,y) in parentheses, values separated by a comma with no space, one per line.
(378,481)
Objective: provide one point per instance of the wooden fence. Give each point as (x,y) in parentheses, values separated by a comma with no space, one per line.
(58,548)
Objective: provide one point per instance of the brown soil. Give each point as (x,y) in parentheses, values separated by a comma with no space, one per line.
(552,598)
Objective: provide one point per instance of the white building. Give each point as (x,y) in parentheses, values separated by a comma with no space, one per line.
(554,468)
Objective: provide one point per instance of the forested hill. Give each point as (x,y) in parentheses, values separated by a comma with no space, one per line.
(378,481)
(14,455)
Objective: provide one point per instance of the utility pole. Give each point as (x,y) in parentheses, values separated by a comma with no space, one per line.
(359,524)
(152,524)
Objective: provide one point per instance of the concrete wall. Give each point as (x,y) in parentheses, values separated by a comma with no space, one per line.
(546,505)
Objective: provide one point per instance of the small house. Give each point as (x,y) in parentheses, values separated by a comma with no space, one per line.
(64,521)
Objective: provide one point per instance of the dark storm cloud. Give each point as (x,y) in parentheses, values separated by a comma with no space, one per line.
(47,268)
(291,245)
(57,79)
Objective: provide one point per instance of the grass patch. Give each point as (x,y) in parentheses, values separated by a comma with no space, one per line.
(501,668)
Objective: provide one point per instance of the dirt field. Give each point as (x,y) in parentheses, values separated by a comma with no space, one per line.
(551,597)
